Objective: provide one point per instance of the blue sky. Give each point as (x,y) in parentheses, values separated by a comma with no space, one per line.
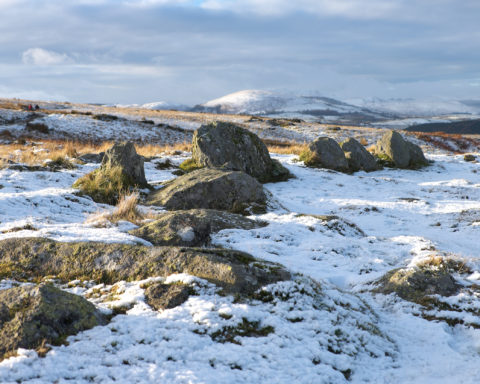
(190,51)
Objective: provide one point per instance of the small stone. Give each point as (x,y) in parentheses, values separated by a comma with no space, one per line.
(166,296)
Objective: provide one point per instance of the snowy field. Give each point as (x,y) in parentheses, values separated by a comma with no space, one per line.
(327,325)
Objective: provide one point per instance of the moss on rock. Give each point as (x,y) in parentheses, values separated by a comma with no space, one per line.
(33,315)
(34,258)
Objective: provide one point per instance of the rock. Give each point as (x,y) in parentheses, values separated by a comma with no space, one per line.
(125,156)
(417,158)
(37,127)
(229,146)
(416,284)
(166,296)
(210,189)
(91,157)
(192,227)
(325,152)
(392,148)
(32,315)
(469,157)
(358,157)
(33,258)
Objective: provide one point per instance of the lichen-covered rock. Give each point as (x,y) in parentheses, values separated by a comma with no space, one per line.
(210,189)
(416,284)
(125,156)
(226,145)
(191,227)
(325,152)
(165,296)
(358,157)
(28,258)
(394,150)
(32,315)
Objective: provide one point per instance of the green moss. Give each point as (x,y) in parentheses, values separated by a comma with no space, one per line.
(384,160)
(189,165)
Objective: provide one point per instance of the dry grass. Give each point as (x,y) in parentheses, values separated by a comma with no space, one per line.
(451,264)
(38,153)
(455,143)
(150,150)
(125,210)
(285,147)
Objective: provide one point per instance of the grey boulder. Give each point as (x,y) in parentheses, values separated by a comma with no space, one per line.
(394,150)
(325,152)
(125,156)
(32,315)
(226,145)
(358,157)
(211,188)
(191,227)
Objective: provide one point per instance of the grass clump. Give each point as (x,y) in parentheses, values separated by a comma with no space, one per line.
(126,209)
(60,162)
(105,185)
(309,158)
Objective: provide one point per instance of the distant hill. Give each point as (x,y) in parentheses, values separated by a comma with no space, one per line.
(258,102)
(467,127)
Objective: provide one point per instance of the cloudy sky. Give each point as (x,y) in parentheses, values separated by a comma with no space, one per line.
(190,51)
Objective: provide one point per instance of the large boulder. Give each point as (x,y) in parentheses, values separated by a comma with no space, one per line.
(394,150)
(33,258)
(417,284)
(358,157)
(226,145)
(125,156)
(211,189)
(325,152)
(32,315)
(191,227)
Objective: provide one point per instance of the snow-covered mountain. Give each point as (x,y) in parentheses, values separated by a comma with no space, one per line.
(257,102)
(420,107)
(390,112)
(157,105)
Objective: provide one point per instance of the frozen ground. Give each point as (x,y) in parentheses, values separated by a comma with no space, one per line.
(325,330)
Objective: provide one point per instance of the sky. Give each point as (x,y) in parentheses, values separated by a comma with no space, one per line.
(191,51)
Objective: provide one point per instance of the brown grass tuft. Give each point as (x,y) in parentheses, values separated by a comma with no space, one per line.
(126,209)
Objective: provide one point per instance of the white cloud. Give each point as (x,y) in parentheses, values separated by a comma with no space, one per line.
(39,56)
(361,9)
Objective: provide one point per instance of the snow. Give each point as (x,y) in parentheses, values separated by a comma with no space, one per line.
(420,107)
(326,322)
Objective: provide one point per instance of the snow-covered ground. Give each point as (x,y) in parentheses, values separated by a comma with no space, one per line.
(327,324)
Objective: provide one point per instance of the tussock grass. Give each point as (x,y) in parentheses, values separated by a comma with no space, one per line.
(308,157)
(105,185)
(125,210)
